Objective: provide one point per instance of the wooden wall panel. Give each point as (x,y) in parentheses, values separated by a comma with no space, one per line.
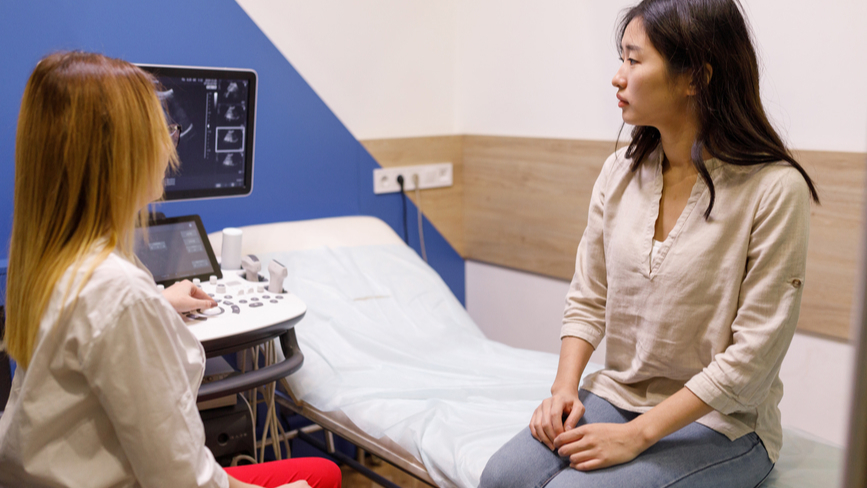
(442,206)
(835,240)
(526,200)
(522,203)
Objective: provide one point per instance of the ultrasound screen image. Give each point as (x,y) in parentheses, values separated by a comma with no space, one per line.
(215,109)
(233,159)
(230,139)
(231,113)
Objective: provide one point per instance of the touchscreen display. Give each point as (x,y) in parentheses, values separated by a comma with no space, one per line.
(174,251)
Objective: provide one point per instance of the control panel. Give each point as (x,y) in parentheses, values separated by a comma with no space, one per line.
(242,306)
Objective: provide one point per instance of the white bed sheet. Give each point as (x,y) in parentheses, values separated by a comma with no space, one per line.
(387,344)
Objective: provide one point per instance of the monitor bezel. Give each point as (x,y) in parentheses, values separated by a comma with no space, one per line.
(152,223)
(249,151)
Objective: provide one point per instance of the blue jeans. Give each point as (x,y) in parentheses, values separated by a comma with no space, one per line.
(694,457)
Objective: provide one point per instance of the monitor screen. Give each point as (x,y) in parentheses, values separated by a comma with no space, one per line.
(177,248)
(216,111)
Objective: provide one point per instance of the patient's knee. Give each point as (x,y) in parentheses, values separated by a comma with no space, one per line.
(498,471)
(522,462)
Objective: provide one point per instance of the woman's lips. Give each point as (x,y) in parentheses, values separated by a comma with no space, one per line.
(621,102)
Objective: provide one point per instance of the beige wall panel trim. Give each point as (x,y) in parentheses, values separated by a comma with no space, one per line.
(526,201)
(444,207)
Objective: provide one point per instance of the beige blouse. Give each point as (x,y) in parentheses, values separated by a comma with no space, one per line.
(717,308)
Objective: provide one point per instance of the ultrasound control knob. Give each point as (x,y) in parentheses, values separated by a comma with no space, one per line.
(221,288)
(197,282)
(210,312)
(213,279)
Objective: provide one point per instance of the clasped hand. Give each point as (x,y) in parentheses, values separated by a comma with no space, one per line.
(588,447)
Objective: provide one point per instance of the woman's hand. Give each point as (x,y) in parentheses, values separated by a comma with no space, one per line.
(185,296)
(594,446)
(296,484)
(547,421)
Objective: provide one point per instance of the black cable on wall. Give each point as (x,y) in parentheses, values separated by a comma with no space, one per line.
(403,197)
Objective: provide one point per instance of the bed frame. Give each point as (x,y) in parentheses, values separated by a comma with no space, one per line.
(339,424)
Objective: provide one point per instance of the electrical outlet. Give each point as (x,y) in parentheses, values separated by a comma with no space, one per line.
(437,175)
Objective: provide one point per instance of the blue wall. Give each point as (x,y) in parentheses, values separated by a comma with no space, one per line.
(307,163)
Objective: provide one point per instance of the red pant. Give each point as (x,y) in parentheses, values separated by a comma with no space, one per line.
(319,473)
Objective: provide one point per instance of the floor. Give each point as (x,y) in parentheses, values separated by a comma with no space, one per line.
(353,479)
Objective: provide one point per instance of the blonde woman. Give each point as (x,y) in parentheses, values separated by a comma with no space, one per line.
(108,373)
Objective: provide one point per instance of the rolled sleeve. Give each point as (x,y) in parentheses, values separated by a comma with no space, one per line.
(584,316)
(740,378)
(136,367)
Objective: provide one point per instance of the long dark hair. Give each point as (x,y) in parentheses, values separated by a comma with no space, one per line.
(732,124)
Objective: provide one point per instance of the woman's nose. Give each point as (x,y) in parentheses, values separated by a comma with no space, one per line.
(619,81)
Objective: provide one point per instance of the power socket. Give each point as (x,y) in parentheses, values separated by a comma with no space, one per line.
(437,175)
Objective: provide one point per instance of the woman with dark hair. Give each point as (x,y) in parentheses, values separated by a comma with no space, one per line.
(691,266)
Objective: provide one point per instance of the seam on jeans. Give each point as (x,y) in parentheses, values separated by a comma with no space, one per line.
(766,475)
(550,478)
(712,465)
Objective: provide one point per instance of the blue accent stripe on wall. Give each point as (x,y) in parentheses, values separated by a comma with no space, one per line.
(307,163)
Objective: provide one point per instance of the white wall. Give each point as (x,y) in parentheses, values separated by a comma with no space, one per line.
(544,69)
(525,310)
(539,69)
(396,68)
(813,57)
(385,67)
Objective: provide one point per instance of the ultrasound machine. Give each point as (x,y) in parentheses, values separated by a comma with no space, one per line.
(216,111)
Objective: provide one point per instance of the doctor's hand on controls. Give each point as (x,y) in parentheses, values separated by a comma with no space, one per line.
(184,296)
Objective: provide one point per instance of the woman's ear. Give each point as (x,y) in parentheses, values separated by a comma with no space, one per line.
(708,74)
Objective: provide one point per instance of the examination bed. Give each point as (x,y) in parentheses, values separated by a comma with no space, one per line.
(394,364)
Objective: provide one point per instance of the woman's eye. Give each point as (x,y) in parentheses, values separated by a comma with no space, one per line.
(632,61)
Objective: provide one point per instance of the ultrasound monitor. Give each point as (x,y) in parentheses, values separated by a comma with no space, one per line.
(216,109)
